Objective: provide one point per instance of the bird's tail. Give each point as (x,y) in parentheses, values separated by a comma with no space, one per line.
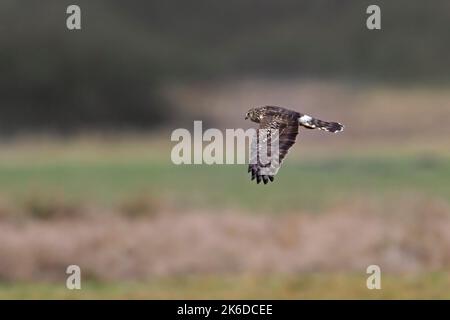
(312,123)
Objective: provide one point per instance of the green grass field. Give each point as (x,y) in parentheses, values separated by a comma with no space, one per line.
(301,184)
(324,286)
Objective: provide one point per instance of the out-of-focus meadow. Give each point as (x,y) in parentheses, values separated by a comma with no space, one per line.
(86,176)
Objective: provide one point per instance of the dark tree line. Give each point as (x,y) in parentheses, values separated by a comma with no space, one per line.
(108,75)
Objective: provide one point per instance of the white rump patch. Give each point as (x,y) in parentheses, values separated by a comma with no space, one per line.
(305,119)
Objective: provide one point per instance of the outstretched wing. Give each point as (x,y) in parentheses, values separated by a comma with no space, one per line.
(278,127)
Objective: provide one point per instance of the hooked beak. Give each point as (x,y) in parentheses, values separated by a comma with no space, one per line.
(246,116)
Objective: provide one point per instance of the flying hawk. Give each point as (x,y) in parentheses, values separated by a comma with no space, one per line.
(280,124)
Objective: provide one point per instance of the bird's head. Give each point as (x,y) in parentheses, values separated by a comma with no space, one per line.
(253,114)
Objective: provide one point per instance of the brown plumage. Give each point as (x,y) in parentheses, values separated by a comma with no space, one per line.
(282,124)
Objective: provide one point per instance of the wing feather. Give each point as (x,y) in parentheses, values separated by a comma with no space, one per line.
(279,127)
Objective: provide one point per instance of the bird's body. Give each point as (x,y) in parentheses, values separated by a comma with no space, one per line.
(285,123)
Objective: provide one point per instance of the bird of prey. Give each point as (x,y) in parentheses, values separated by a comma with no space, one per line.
(285,123)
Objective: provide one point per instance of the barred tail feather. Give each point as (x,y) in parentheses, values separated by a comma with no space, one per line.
(312,123)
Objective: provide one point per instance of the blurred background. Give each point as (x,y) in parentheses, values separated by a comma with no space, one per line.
(85,170)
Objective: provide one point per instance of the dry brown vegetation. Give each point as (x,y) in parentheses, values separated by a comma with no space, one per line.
(413,237)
